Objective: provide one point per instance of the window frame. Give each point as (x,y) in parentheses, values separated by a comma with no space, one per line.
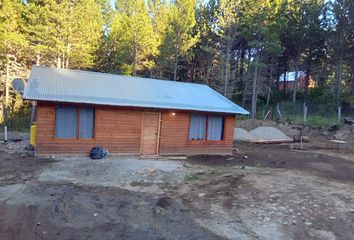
(77,108)
(206,129)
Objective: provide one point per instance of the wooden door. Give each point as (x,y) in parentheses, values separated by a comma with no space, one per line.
(150,133)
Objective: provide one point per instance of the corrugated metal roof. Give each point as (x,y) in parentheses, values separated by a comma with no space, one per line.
(64,85)
(290,76)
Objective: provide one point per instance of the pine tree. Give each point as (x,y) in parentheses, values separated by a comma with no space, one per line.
(41,30)
(64,33)
(342,40)
(87,29)
(132,37)
(205,52)
(179,37)
(12,46)
(12,39)
(158,11)
(313,38)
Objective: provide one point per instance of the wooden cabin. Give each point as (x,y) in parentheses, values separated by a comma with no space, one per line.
(77,110)
(291,80)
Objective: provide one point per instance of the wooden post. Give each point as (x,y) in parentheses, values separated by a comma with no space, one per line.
(339,114)
(278,110)
(305,115)
(268,113)
(33,112)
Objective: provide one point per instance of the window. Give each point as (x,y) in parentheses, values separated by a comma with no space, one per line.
(86,122)
(72,122)
(197,127)
(66,122)
(206,127)
(215,127)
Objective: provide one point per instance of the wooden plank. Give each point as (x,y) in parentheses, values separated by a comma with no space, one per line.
(174,136)
(120,131)
(116,129)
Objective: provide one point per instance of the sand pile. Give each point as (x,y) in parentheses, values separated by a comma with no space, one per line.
(241,134)
(268,133)
(260,134)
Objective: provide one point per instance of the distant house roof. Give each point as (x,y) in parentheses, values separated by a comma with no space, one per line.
(290,76)
(64,85)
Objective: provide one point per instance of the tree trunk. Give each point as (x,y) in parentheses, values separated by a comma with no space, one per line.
(227,67)
(245,87)
(295,80)
(68,50)
(234,75)
(63,60)
(278,73)
(270,83)
(135,61)
(7,81)
(58,61)
(306,87)
(207,74)
(241,68)
(254,89)
(352,78)
(38,59)
(284,78)
(176,66)
(339,76)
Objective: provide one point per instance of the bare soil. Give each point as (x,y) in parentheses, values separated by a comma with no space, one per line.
(282,156)
(320,137)
(281,194)
(262,192)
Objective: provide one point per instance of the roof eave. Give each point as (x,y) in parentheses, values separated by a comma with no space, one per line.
(141,106)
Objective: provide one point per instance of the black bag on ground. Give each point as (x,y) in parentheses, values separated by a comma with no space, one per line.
(97,153)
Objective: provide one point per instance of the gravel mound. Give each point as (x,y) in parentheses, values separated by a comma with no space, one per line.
(241,134)
(260,134)
(268,133)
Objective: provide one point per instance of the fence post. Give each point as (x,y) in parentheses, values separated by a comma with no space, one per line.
(339,114)
(305,115)
(278,110)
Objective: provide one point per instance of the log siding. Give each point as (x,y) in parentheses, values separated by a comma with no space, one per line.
(119,130)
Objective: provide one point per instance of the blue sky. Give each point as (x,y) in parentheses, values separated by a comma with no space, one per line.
(112,2)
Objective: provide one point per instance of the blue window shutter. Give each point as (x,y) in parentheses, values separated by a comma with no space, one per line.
(86,122)
(65,122)
(215,127)
(197,127)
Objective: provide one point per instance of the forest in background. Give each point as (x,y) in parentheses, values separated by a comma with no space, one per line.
(239,48)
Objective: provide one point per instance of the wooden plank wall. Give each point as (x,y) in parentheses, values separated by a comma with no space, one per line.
(174,136)
(119,130)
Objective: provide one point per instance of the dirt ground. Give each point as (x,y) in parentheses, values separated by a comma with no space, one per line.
(262,192)
(320,137)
